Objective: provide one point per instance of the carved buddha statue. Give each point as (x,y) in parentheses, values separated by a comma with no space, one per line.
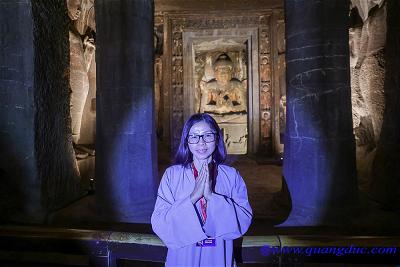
(82,50)
(224,94)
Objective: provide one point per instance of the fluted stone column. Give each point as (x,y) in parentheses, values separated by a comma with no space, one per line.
(36,158)
(126,180)
(319,163)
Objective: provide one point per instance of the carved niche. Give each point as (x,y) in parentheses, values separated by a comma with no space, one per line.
(183,80)
(220,79)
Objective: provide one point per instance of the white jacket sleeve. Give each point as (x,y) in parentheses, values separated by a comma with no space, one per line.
(229,218)
(175,221)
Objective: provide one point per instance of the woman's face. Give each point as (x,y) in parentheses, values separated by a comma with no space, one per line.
(202,150)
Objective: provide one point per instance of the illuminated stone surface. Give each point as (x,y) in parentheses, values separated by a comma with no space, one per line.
(319,164)
(126,177)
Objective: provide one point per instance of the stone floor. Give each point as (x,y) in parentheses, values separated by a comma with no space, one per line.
(263,183)
(270,204)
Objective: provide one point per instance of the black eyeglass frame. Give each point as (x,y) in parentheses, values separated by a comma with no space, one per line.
(202,137)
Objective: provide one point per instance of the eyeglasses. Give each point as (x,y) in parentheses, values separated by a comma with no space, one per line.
(207,137)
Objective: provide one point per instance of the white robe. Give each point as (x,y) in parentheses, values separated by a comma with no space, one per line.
(176,221)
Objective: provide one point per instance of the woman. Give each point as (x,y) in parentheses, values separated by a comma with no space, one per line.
(201,205)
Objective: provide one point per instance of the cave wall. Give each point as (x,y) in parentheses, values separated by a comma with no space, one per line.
(374,48)
(367,36)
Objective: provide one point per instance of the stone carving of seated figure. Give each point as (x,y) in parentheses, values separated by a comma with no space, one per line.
(223,94)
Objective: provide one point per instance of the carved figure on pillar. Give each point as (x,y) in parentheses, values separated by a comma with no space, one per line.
(82,51)
(223,94)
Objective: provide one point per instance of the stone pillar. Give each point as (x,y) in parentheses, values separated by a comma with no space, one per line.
(319,156)
(17,160)
(36,159)
(385,187)
(126,176)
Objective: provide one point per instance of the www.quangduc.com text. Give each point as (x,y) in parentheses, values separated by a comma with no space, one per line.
(335,251)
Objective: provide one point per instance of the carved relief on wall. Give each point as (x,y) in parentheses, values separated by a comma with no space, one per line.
(281,82)
(367,41)
(273,83)
(175,73)
(158,73)
(221,90)
(177,85)
(82,80)
(265,107)
(265,81)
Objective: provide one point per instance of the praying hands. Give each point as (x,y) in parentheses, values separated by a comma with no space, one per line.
(202,186)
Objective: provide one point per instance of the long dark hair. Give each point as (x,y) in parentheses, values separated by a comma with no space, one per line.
(184,156)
